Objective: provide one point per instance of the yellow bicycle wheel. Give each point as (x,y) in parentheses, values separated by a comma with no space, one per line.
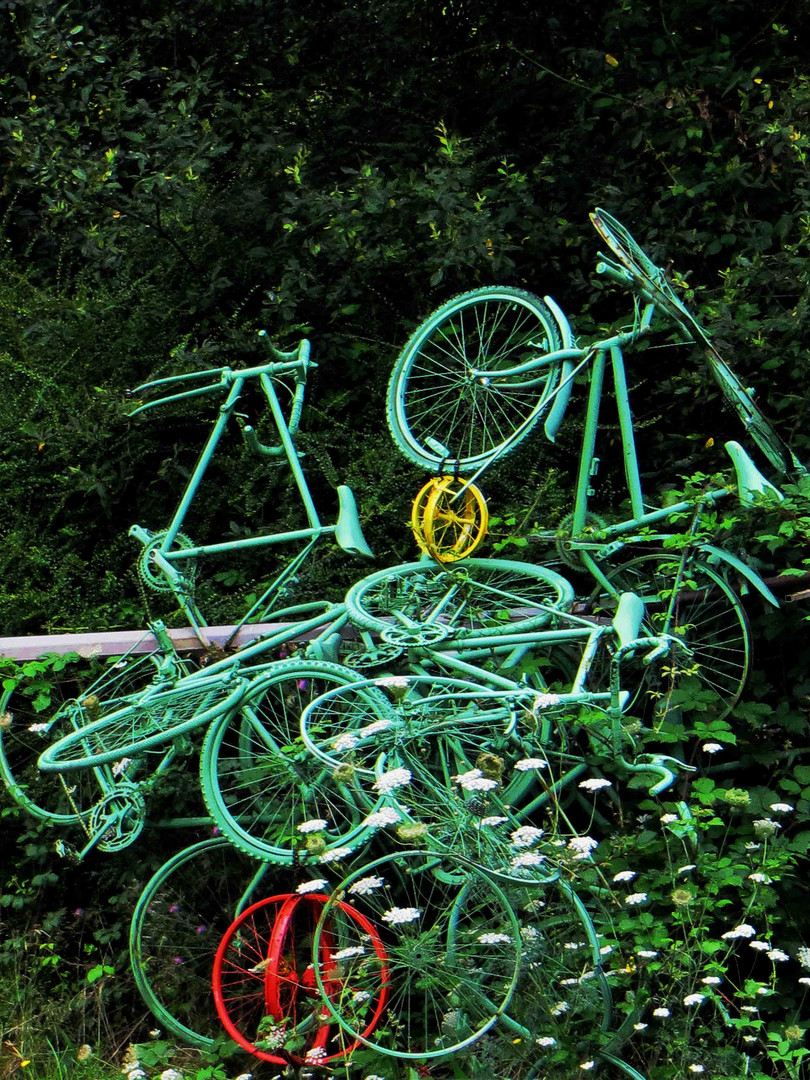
(449,518)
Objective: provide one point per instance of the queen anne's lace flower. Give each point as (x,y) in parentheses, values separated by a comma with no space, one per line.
(374,728)
(335,854)
(741,931)
(542,701)
(349,952)
(711,748)
(347,741)
(777,955)
(694,999)
(494,939)
(647,954)
(492,820)
(396,915)
(474,780)
(314,825)
(392,780)
(366,885)
(315,1055)
(662,1012)
(528,858)
(760,946)
(529,763)
(583,845)
(545,1040)
(625,875)
(595,784)
(387,816)
(525,836)
(311,886)
(781,807)
(635,898)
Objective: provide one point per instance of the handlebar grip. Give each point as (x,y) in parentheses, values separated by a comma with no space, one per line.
(616,274)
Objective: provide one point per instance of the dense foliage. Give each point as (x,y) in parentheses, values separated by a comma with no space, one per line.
(177,176)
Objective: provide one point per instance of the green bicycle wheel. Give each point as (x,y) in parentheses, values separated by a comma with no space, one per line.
(705,614)
(37,708)
(177,926)
(439,412)
(264,788)
(421,603)
(452,954)
(147,721)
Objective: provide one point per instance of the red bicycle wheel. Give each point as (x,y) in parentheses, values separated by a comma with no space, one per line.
(264,983)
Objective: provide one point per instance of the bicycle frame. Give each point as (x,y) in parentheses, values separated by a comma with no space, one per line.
(163,554)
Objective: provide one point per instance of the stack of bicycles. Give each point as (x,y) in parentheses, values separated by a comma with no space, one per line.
(404,869)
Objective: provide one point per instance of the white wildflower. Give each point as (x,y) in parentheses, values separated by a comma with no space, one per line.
(545,1040)
(804,980)
(803,956)
(38,727)
(493,819)
(171,1074)
(694,999)
(749,1008)
(777,955)
(529,763)
(397,682)
(662,1012)
(474,780)
(528,858)
(494,939)
(366,885)
(526,835)
(760,946)
(374,728)
(594,784)
(542,701)
(560,1008)
(635,898)
(667,819)
(764,991)
(781,807)
(647,954)
(387,816)
(311,886)
(313,825)
(749,1038)
(625,875)
(640,1027)
(606,950)
(712,748)
(347,741)
(335,854)
(588,1065)
(348,952)
(396,915)
(712,980)
(583,845)
(741,931)
(315,1055)
(389,781)
(696,1068)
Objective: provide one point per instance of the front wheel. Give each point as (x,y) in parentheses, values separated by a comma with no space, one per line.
(441,411)
(479,598)
(692,603)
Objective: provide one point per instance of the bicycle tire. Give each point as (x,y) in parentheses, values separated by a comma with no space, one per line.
(441,932)
(707,615)
(147,722)
(467,421)
(480,598)
(451,525)
(264,970)
(36,708)
(751,416)
(177,924)
(260,782)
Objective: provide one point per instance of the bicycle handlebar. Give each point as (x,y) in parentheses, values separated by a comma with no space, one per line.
(296,363)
